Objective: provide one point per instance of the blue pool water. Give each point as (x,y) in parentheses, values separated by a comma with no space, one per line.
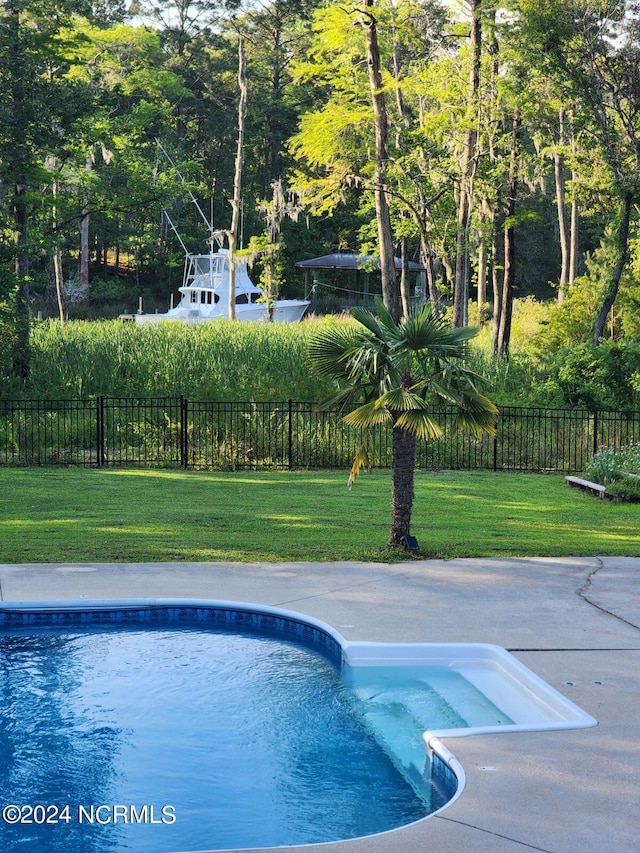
(161,739)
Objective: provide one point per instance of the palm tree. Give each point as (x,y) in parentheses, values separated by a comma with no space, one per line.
(398,372)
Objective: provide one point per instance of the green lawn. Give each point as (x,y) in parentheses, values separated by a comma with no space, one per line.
(68,515)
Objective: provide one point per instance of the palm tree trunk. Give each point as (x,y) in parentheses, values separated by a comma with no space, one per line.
(404,458)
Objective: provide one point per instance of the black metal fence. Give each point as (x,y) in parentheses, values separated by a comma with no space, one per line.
(173,431)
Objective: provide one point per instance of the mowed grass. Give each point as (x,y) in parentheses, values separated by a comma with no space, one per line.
(107,515)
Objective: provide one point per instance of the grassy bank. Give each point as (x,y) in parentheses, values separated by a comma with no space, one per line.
(68,515)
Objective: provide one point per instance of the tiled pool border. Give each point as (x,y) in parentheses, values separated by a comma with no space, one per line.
(226,615)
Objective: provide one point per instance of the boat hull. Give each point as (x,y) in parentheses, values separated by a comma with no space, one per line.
(286,311)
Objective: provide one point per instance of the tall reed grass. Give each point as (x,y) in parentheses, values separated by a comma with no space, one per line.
(212,361)
(222,361)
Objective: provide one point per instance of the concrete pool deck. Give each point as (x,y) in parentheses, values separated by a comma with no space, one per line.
(574,621)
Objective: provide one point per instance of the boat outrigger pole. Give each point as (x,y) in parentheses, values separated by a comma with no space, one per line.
(175,231)
(213,235)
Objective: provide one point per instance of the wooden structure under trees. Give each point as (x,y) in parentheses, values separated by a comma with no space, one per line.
(357,288)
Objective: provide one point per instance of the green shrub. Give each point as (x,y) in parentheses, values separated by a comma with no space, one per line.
(627,489)
(610,466)
(603,377)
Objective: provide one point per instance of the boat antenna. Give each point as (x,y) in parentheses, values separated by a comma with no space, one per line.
(212,234)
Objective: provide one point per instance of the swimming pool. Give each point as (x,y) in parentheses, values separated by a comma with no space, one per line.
(191,725)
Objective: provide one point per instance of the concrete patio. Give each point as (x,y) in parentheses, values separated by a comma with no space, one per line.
(574,621)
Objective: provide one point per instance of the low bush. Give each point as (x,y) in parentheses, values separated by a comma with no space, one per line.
(610,466)
(626,489)
(604,377)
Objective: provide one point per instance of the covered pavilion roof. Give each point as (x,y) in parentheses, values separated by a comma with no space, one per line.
(348,261)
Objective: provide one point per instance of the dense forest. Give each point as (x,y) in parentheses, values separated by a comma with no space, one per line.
(495,143)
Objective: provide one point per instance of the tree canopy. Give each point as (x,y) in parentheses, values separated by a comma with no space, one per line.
(509,165)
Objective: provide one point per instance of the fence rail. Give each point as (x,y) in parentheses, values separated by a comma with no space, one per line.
(174,431)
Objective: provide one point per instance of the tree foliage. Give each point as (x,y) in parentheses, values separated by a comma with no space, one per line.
(510,164)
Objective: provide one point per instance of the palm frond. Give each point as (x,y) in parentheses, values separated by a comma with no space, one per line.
(402,400)
(332,350)
(371,360)
(427,331)
(344,397)
(431,388)
(369,321)
(422,329)
(420,423)
(476,415)
(360,461)
(392,329)
(369,415)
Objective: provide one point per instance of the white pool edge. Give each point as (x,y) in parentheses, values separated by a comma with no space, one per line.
(561,712)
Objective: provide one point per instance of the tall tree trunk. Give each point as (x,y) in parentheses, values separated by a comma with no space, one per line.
(274,117)
(57,258)
(463,266)
(84,239)
(84,251)
(405,284)
(494,126)
(403,113)
(575,221)
(16,96)
(426,256)
(508,285)
(59,277)
(21,352)
(482,281)
(574,239)
(403,465)
(622,247)
(558,166)
(237,181)
(484,254)
(390,296)
(497,250)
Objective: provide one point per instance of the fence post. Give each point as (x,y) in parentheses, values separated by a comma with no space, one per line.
(290,450)
(184,432)
(100,432)
(595,432)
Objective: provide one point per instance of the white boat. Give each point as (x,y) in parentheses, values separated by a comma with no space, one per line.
(205,295)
